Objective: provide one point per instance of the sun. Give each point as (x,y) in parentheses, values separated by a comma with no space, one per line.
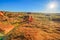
(52,6)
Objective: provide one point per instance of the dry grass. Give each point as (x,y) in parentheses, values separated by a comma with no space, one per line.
(38,29)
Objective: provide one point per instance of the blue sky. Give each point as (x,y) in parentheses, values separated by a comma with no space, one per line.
(28,5)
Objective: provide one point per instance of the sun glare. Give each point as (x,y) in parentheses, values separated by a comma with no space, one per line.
(52,5)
